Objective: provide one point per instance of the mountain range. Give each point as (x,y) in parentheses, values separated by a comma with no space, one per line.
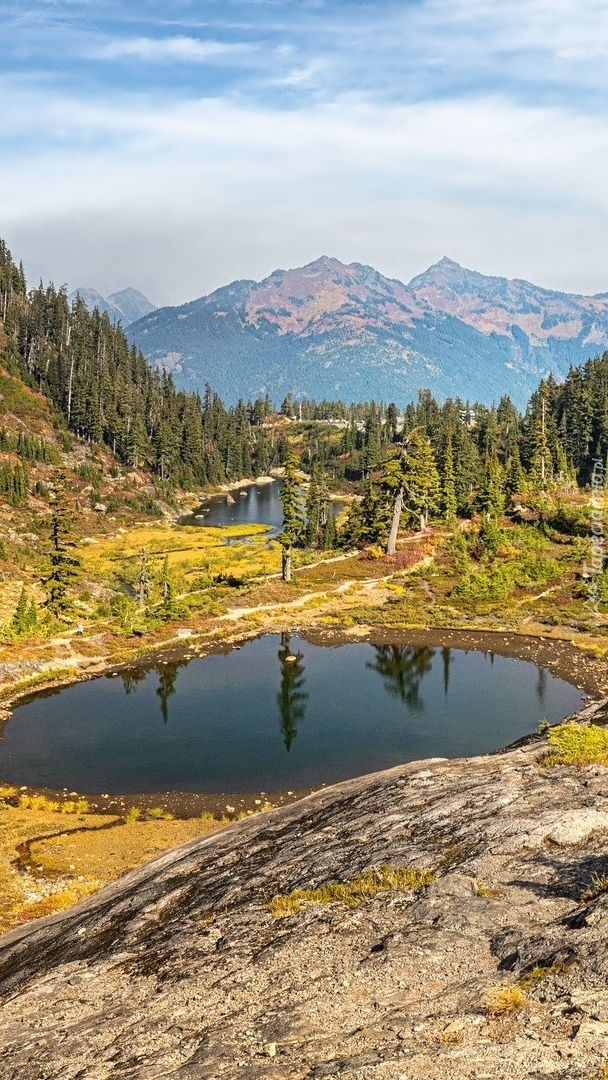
(329,330)
(125,306)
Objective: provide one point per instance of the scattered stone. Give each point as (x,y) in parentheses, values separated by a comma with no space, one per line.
(179,969)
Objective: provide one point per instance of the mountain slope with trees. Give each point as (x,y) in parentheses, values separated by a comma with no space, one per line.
(330,330)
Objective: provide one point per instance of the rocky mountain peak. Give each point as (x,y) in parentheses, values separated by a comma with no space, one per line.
(331,329)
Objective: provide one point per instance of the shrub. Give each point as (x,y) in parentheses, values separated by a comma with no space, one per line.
(494,584)
(532,570)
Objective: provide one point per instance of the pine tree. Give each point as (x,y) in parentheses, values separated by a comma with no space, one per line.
(64,564)
(293,519)
(413,482)
(20,621)
(448,486)
(491,495)
(515,477)
(329,533)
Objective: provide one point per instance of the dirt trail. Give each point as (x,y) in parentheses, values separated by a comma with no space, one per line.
(300,601)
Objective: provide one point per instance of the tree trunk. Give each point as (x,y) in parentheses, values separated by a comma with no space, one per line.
(286,566)
(397,508)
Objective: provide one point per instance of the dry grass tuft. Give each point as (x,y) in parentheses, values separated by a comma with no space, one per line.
(39,803)
(597,886)
(502,1000)
(80,806)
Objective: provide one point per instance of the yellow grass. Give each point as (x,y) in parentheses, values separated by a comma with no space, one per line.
(186,548)
(577,745)
(83,856)
(352,893)
(501,1001)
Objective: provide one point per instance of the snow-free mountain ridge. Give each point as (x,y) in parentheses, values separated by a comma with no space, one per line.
(125,306)
(335,330)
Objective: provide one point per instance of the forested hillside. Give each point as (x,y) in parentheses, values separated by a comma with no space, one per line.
(105,392)
(345,331)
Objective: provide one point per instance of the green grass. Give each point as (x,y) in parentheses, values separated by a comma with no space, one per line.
(352,893)
(577,745)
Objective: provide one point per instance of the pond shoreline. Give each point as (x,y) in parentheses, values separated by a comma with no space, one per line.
(562,658)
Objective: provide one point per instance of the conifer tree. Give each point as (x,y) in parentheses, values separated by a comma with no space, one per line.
(491,496)
(293,519)
(413,482)
(448,486)
(329,533)
(25,616)
(64,564)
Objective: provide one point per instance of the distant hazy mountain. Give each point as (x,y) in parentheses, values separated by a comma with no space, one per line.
(125,306)
(133,304)
(328,330)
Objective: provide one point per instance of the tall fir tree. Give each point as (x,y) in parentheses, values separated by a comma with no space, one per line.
(293,517)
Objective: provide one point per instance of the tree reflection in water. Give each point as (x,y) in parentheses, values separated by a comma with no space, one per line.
(402,669)
(131,677)
(167,676)
(291,698)
(446,658)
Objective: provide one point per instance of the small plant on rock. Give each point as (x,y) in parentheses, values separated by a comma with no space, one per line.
(577,745)
(597,886)
(80,806)
(502,1000)
(352,893)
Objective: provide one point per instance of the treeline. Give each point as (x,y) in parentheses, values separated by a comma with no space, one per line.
(106,392)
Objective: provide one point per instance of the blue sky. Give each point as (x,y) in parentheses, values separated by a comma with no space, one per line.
(177,146)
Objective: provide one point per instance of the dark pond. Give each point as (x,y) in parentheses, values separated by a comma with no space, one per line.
(247,506)
(258,503)
(256,720)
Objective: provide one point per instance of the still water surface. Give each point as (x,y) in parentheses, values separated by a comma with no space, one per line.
(251,505)
(277,714)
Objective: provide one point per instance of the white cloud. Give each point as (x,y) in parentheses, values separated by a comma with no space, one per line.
(474,128)
(173,48)
(189,195)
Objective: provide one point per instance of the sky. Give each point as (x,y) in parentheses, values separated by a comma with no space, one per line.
(177,146)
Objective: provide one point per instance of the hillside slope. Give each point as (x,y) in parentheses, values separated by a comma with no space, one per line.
(180,970)
(328,330)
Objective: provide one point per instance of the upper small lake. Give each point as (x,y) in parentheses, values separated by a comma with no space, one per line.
(251,505)
(277,714)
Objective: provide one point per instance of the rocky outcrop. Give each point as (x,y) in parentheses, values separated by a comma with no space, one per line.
(180,970)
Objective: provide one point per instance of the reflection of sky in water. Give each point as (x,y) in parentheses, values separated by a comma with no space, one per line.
(258,504)
(277,714)
(252,505)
